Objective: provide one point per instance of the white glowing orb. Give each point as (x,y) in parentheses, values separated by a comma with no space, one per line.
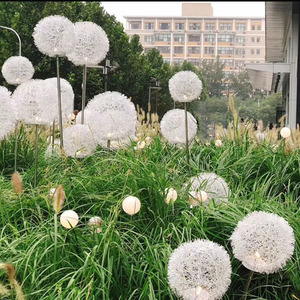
(131,205)
(171,195)
(285,132)
(69,219)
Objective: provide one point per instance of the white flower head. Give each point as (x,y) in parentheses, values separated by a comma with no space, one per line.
(199,270)
(7,113)
(91,44)
(67,97)
(218,143)
(185,86)
(215,187)
(173,126)
(263,242)
(33,102)
(111,116)
(260,136)
(54,35)
(78,141)
(17,69)
(171,195)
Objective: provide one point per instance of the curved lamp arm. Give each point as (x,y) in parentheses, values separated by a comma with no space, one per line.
(20,44)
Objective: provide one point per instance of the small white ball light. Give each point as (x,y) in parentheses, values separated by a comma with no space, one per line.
(171,195)
(69,219)
(131,205)
(95,223)
(195,198)
(285,132)
(17,69)
(218,143)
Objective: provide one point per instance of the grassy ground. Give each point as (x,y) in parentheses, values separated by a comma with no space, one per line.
(128,260)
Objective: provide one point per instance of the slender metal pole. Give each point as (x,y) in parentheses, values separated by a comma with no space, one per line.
(105,78)
(186,134)
(36,153)
(20,43)
(83,93)
(16,144)
(149,100)
(248,284)
(59,104)
(53,134)
(156,100)
(108,145)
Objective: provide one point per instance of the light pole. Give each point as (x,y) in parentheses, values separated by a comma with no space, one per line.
(157,88)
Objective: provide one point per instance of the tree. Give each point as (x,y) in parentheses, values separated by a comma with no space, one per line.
(240,85)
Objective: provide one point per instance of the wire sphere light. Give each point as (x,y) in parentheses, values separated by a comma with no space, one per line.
(91,44)
(17,69)
(185,86)
(199,270)
(7,113)
(79,141)
(173,126)
(263,242)
(54,35)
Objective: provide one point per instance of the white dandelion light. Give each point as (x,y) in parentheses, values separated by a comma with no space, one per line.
(173,126)
(199,270)
(54,35)
(263,242)
(7,113)
(79,141)
(91,44)
(67,97)
(185,86)
(111,116)
(215,187)
(17,69)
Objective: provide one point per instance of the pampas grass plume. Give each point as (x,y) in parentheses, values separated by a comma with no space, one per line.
(58,199)
(17,184)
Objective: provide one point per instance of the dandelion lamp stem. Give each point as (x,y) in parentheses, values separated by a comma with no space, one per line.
(186,134)
(59,104)
(83,93)
(16,145)
(53,135)
(36,153)
(248,284)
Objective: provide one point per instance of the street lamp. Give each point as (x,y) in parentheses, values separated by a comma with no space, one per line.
(157,88)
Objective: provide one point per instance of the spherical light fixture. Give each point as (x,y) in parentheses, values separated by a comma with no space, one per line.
(285,132)
(69,219)
(131,205)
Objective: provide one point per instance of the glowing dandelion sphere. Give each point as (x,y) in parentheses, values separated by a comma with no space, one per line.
(17,70)
(7,113)
(185,86)
(199,270)
(263,242)
(91,44)
(54,35)
(69,219)
(173,126)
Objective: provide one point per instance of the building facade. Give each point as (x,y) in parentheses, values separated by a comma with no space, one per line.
(197,35)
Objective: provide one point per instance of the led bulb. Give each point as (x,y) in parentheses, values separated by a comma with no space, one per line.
(69,219)
(131,205)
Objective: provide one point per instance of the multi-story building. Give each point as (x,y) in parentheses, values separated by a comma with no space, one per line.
(197,35)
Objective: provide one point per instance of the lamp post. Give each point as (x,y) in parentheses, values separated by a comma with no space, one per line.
(157,88)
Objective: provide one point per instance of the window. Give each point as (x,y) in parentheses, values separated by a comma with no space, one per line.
(241,27)
(227,74)
(177,61)
(167,60)
(225,50)
(178,50)
(179,38)
(194,61)
(146,50)
(257,51)
(225,26)
(252,51)
(135,25)
(240,39)
(228,62)
(209,38)
(258,27)
(225,38)
(210,26)
(149,38)
(179,26)
(194,37)
(195,26)
(163,37)
(163,49)
(149,26)
(164,26)
(253,27)
(209,50)
(240,63)
(240,51)
(258,40)
(252,40)
(194,50)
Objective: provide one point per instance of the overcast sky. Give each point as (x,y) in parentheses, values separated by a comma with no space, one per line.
(160,8)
